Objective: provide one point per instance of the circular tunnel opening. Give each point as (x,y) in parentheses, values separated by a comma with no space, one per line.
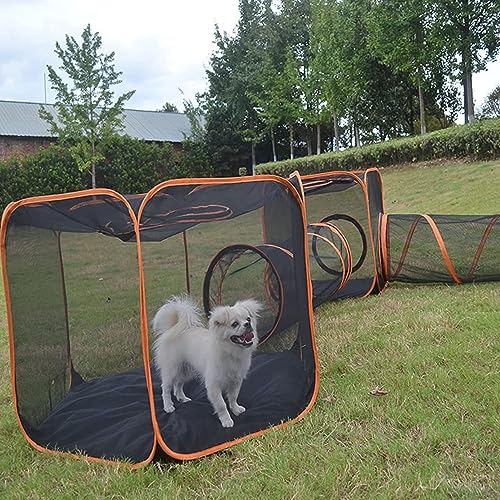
(240,272)
(354,234)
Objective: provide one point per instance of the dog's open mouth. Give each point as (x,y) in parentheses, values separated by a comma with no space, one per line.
(245,340)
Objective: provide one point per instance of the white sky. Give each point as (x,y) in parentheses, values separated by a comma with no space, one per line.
(160,46)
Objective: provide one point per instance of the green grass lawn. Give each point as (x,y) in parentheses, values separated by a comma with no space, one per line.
(433,349)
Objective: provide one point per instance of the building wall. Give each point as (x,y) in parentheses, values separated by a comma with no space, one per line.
(21,146)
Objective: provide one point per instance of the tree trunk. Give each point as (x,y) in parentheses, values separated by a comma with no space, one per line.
(92,170)
(411,116)
(470,97)
(464,85)
(421,105)
(318,138)
(273,143)
(469,115)
(309,141)
(357,142)
(337,133)
(290,125)
(253,158)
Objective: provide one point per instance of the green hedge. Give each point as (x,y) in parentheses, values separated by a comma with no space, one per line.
(134,166)
(129,166)
(51,170)
(478,141)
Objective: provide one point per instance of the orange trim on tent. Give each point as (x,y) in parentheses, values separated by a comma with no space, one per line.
(344,273)
(439,241)
(482,243)
(11,207)
(347,268)
(406,245)
(356,179)
(384,247)
(296,174)
(340,234)
(230,180)
(442,248)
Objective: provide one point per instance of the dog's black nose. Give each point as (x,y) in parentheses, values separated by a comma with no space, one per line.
(247,323)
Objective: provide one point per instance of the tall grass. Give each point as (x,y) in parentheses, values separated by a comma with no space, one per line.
(434,351)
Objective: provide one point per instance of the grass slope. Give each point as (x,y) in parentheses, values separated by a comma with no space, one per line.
(435,434)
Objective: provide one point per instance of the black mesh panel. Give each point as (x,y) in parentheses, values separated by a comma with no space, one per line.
(223,243)
(74,294)
(42,373)
(341,201)
(472,244)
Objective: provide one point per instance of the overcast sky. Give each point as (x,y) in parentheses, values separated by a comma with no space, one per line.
(161,46)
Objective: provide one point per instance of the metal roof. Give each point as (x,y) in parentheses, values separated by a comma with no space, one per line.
(21,119)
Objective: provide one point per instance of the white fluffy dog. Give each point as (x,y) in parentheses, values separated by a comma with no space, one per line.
(220,355)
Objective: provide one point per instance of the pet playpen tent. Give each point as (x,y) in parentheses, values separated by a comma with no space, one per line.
(84,274)
(343,212)
(390,247)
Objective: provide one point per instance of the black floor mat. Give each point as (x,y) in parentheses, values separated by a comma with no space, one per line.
(109,417)
(325,290)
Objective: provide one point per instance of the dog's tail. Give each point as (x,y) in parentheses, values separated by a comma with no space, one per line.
(175,317)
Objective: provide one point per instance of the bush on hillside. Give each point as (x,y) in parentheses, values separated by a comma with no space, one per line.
(478,141)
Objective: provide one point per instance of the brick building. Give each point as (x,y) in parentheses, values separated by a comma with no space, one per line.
(22,131)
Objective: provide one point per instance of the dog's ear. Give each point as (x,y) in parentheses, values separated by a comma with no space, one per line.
(218,316)
(252,306)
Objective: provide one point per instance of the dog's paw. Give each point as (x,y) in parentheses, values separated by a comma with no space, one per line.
(169,408)
(226,421)
(183,399)
(238,409)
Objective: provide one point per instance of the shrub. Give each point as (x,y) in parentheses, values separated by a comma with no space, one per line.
(194,161)
(134,166)
(478,141)
(48,171)
(129,166)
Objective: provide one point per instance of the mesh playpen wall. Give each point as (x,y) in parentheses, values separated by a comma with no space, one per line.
(84,274)
(379,248)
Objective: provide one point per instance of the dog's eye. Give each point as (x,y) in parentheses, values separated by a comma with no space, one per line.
(249,318)
(235,324)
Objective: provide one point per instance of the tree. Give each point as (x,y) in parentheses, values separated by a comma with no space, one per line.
(491,105)
(194,114)
(267,100)
(287,93)
(168,107)
(325,65)
(400,34)
(349,59)
(471,29)
(86,112)
(233,80)
(295,29)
